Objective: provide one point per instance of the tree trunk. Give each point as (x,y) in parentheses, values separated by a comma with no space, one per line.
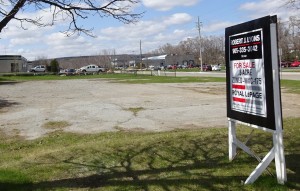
(11,14)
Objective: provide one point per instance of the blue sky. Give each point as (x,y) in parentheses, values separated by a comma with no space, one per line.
(164,21)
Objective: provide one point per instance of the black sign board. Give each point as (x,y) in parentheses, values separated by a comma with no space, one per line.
(250,96)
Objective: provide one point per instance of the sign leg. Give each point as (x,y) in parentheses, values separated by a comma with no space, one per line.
(232,138)
(261,167)
(279,157)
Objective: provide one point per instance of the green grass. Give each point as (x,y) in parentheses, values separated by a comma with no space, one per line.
(292,86)
(135,110)
(195,159)
(56,124)
(185,70)
(121,78)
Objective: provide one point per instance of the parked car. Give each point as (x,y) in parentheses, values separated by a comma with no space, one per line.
(169,67)
(181,66)
(39,68)
(67,72)
(216,68)
(295,64)
(207,68)
(184,66)
(91,69)
(151,67)
(285,64)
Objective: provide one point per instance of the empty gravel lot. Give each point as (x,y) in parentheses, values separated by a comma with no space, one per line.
(97,105)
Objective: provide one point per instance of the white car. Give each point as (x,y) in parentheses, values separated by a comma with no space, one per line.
(92,69)
(216,68)
(39,68)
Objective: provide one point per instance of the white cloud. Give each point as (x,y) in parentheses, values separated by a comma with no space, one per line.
(36,42)
(128,32)
(153,33)
(164,5)
(217,26)
(264,5)
(144,28)
(268,7)
(178,18)
(62,45)
(23,41)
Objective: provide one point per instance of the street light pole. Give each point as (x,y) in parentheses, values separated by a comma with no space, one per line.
(199,24)
(141,59)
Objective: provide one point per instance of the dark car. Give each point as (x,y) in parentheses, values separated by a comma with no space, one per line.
(70,72)
(67,72)
(285,64)
(206,68)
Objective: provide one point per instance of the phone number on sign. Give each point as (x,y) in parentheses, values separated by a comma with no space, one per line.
(245,49)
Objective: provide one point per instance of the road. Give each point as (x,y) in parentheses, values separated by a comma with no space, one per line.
(290,75)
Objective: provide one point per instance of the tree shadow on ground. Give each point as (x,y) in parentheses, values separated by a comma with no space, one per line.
(4,82)
(6,103)
(197,163)
(293,165)
(165,165)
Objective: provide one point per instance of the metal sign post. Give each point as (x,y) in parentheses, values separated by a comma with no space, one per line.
(253,89)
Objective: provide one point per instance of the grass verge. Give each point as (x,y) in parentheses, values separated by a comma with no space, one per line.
(121,78)
(292,86)
(176,160)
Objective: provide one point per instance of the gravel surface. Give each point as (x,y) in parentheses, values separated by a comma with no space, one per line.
(97,105)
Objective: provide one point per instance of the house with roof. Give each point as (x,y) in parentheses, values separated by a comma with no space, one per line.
(13,63)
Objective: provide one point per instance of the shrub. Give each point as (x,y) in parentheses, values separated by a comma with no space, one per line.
(54,66)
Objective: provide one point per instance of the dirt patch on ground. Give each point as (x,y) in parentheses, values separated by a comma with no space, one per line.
(92,106)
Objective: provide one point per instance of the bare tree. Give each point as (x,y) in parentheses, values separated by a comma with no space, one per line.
(284,40)
(106,58)
(289,38)
(68,10)
(189,46)
(41,60)
(213,50)
(294,4)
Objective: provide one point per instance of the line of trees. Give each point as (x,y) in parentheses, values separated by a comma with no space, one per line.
(289,39)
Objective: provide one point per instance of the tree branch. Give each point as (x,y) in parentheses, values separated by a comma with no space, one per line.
(11,15)
(74,10)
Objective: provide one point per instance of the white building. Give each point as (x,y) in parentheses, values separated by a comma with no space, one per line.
(13,63)
(169,59)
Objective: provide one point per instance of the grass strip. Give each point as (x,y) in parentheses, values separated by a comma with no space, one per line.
(195,159)
(292,86)
(121,78)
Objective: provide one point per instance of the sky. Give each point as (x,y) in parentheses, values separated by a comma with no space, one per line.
(164,21)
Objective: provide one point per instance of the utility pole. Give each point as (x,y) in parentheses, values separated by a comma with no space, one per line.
(199,25)
(141,59)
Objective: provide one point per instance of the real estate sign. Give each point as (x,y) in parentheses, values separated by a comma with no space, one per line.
(253,89)
(249,73)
